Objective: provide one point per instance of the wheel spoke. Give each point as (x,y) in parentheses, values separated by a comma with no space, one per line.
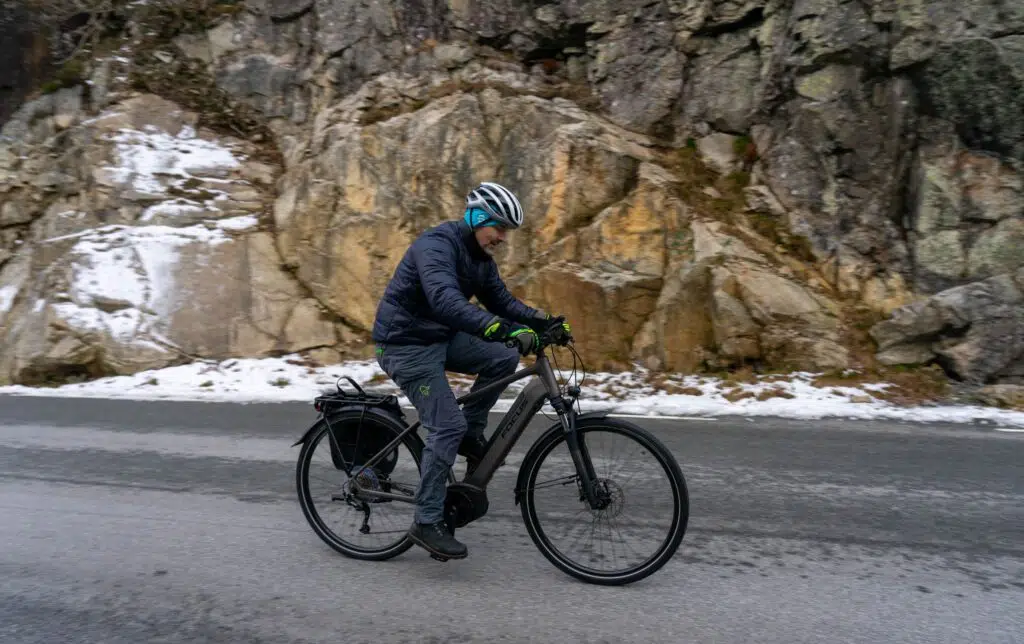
(337,517)
(634,471)
(564,480)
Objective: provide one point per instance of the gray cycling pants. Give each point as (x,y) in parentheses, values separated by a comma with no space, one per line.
(419,371)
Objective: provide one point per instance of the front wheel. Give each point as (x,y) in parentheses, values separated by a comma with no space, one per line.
(645,503)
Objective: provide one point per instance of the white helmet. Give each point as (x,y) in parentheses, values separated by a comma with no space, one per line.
(498,202)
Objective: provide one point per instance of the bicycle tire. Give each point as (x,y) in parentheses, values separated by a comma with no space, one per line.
(412,442)
(681,504)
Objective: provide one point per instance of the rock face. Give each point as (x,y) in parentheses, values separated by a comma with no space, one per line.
(1006,396)
(707,184)
(144,246)
(976,331)
(966,212)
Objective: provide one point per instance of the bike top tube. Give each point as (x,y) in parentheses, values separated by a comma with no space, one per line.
(499,384)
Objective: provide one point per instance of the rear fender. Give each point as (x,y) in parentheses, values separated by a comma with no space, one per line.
(356,411)
(309,432)
(336,405)
(549,434)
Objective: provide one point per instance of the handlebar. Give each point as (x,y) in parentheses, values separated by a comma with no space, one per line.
(554,334)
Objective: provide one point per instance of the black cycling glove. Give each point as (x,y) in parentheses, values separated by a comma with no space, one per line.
(543,320)
(521,336)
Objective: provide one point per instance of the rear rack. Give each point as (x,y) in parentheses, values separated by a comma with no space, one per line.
(342,398)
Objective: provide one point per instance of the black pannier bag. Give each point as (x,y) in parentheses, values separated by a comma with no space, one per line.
(360,425)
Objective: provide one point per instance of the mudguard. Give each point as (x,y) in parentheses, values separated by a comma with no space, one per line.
(336,415)
(309,432)
(332,405)
(581,421)
(357,432)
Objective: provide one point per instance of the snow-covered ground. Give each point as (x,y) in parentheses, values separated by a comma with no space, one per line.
(290,379)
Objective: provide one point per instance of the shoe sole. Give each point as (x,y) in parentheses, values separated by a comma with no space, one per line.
(436,554)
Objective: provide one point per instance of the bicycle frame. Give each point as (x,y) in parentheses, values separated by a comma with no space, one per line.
(510,429)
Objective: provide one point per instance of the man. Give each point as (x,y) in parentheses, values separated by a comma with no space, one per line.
(425,324)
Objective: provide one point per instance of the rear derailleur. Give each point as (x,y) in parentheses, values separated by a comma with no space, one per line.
(367,479)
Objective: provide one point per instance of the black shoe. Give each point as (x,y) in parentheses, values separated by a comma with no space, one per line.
(435,539)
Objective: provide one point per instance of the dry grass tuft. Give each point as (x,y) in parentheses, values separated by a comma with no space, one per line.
(735,395)
(774,392)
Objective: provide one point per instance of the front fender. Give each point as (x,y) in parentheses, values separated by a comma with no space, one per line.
(548,436)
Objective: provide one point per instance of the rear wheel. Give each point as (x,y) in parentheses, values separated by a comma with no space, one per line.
(361,528)
(644,512)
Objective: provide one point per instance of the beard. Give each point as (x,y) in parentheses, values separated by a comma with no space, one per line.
(496,249)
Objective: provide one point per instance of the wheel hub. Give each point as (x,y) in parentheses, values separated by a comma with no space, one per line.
(611,499)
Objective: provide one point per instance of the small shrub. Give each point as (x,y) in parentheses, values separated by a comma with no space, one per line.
(69,74)
(740,145)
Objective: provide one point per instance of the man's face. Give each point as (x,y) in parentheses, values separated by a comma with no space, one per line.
(490,238)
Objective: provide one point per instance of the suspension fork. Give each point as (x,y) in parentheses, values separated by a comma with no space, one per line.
(577,446)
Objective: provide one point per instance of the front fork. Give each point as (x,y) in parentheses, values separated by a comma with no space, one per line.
(590,487)
(592,490)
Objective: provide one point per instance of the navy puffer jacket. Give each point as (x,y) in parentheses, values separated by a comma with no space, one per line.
(427,299)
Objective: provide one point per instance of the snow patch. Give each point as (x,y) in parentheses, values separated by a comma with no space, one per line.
(288,379)
(7,295)
(105,269)
(122,325)
(148,160)
(243,222)
(145,158)
(122,279)
(174,209)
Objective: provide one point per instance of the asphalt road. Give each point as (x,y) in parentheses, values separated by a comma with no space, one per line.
(128,522)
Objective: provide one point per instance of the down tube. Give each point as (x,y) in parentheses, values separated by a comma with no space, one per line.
(511,427)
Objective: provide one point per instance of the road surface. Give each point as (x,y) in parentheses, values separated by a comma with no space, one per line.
(128,522)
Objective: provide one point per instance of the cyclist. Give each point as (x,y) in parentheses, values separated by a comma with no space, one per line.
(425,325)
